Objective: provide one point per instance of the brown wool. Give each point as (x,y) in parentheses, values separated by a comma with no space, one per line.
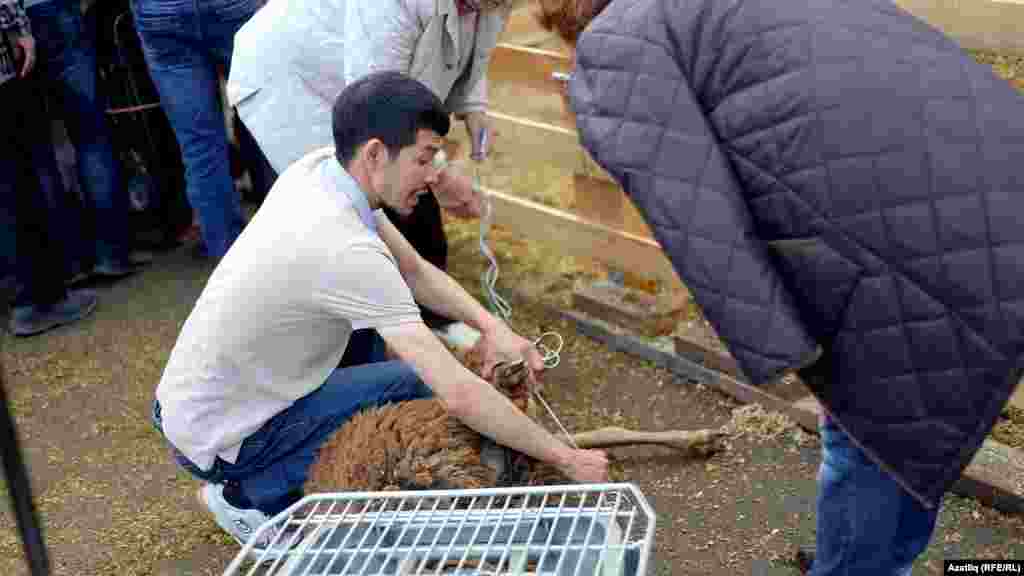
(417,445)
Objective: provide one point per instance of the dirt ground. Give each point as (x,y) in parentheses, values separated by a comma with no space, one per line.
(113,503)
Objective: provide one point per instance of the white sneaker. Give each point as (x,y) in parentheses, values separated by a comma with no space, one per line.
(242,524)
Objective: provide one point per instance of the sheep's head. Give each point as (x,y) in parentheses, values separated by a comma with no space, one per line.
(509,378)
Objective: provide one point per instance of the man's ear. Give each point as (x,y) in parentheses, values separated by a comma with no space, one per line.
(376,153)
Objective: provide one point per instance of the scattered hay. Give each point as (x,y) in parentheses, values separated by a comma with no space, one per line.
(1007,66)
(1010,428)
(754,422)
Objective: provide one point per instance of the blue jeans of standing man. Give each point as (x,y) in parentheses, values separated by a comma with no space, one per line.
(66,44)
(273,462)
(184,41)
(867,523)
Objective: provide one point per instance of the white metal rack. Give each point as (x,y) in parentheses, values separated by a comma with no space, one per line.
(588,529)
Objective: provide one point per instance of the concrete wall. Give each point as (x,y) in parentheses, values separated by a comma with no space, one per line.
(975,24)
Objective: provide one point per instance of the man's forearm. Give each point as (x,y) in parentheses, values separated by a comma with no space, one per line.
(438,291)
(471,400)
(493,415)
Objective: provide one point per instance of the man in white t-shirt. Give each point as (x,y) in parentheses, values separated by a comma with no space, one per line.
(286,342)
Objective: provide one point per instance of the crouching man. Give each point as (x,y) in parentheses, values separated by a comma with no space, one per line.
(286,341)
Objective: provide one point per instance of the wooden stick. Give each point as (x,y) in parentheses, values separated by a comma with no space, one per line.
(700,441)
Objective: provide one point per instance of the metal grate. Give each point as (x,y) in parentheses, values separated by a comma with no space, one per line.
(590,529)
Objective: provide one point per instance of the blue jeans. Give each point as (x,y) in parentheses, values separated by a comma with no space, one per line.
(273,462)
(184,41)
(66,43)
(867,524)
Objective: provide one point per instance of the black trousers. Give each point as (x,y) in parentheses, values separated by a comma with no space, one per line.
(424,229)
(39,263)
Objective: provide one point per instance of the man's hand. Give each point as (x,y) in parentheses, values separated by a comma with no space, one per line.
(477,124)
(25,52)
(501,344)
(455,193)
(585,466)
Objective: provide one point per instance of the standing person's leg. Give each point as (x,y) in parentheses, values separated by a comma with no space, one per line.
(186,78)
(43,302)
(866,522)
(225,18)
(65,210)
(261,172)
(68,46)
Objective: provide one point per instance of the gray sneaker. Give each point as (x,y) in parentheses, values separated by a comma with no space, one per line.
(242,524)
(31,320)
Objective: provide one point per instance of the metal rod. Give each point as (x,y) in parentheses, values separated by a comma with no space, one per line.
(376,547)
(458,530)
(518,522)
(494,531)
(551,533)
(590,534)
(366,534)
(440,530)
(612,523)
(536,522)
(351,531)
(312,538)
(476,534)
(572,529)
(20,489)
(405,528)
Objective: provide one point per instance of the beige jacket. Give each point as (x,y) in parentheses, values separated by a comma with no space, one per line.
(294,56)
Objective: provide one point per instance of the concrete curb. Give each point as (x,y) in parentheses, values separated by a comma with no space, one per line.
(995,476)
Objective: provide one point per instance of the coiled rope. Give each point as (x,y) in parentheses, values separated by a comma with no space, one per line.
(551,356)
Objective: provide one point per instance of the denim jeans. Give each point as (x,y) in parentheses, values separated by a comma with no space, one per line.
(866,522)
(273,462)
(67,47)
(184,41)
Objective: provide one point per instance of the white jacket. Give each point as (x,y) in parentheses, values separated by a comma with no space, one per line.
(294,57)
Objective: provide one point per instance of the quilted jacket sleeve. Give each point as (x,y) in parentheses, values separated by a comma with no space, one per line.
(638,117)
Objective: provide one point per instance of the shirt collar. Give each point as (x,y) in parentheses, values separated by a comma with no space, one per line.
(341,179)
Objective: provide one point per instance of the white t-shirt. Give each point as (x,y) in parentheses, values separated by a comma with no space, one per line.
(275,316)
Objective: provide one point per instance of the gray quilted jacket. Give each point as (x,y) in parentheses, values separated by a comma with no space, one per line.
(842,190)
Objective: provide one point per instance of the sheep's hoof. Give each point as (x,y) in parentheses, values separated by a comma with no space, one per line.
(708,442)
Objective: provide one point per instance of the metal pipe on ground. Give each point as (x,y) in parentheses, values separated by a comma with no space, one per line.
(20,489)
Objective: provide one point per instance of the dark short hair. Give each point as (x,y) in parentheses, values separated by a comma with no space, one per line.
(389,106)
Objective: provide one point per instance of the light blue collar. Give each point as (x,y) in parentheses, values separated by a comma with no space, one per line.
(342,180)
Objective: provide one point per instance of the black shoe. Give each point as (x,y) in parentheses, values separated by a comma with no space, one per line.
(804,559)
(78,278)
(31,320)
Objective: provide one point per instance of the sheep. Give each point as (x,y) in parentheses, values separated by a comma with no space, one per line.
(417,445)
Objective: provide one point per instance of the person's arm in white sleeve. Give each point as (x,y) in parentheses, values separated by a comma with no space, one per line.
(379,35)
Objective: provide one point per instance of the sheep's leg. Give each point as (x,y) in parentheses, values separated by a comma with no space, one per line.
(700,442)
